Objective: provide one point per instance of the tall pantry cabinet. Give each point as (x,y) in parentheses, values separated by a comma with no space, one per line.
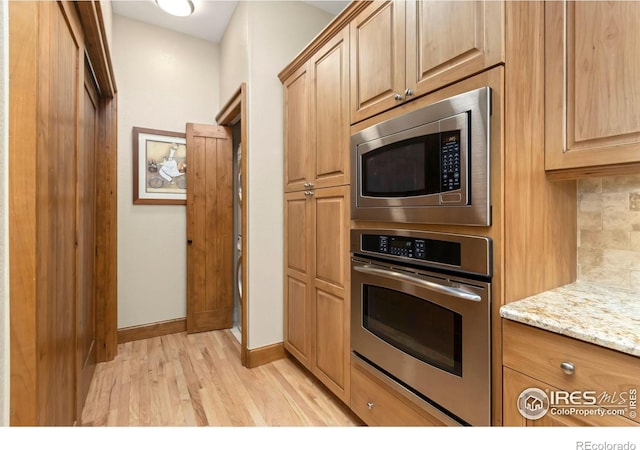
(316,285)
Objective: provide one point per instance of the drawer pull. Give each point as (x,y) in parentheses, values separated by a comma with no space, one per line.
(370,405)
(567,368)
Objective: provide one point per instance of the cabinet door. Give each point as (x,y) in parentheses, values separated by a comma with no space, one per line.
(515,382)
(451,40)
(592,84)
(330,113)
(296,130)
(377,59)
(297,284)
(331,288)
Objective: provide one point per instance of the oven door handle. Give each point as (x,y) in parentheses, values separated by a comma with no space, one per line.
(455,292)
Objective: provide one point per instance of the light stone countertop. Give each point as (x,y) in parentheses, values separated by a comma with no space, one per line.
(599,315)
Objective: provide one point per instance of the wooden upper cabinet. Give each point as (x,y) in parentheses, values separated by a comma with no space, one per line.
(377,59)
(329,161)
(450,40)
(296,137)
(592,86)
(403,49)
(317,119)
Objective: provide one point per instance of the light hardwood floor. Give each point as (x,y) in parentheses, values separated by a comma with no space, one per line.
(197,380)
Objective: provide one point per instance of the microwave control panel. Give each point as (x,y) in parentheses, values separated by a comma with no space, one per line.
(450,160)
(444,252)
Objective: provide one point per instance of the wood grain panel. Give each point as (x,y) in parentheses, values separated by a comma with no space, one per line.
(330,209)
(58,327)
(23,132)
(330,339)
(329,113)
(541,229)
(586,50)
(209,228)
(599,35)
(107,233)
(298,315)
(437,57)
(297,237)
(296,119)
(377,58)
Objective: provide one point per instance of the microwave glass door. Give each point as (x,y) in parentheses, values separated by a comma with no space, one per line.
(421,163)
(420,328)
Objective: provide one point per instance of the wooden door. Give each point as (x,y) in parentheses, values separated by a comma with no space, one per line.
(298,273)
(331,307)
(330,113)
(209,228)
(592,84)
(86,245)
(451,40)
(377,59)
(296,130)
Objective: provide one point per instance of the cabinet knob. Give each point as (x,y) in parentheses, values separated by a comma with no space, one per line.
(308,193)
(370,405)
(408,92)
(307,185)
(398,97)
(567,367)
(310,185)
(189,241)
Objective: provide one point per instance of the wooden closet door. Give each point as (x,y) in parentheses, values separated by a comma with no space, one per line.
(209,228)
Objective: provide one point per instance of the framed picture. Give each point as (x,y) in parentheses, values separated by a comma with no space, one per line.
(159,167)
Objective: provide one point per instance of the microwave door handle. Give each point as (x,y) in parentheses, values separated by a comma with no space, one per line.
(455,292)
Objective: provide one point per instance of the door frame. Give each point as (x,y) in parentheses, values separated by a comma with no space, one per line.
(234,111)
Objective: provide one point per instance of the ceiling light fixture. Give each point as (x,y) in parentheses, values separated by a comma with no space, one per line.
(180,8)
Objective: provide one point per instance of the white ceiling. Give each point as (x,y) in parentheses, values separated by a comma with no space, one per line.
(209,20)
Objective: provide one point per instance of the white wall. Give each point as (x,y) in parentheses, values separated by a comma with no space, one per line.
(107,14)
(277,32)
(234,53)
(4,218)
(165,79)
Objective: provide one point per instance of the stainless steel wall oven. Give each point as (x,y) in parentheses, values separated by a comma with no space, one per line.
(420,314)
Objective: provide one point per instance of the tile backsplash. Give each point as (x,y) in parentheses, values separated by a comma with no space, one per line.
(609,231)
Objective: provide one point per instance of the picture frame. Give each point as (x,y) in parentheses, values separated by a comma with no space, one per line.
(159,167)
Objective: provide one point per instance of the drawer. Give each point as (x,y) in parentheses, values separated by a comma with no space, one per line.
(539,354)
(379,401)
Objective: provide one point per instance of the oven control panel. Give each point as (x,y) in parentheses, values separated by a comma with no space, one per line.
(445,252)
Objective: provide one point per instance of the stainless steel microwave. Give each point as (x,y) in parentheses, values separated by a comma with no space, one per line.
(430,165)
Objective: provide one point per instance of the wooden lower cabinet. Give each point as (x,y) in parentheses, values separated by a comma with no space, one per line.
(316,329)
(379,401)
(532,358)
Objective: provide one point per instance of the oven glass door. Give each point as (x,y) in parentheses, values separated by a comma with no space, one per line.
(419,328)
